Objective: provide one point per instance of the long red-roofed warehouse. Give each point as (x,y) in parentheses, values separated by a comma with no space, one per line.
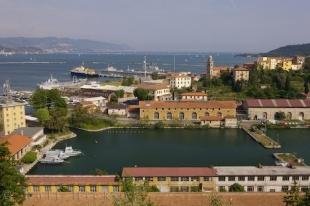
(167,179)
(293,109)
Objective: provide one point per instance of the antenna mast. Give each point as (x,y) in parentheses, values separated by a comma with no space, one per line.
(144,66)
(174,63)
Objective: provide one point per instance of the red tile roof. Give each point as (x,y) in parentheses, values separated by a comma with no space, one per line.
(167,171)
(15,142)
(277,103)
(188,104)
(70,179)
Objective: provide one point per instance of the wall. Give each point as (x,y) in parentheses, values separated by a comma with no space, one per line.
(271,111)
(13,117)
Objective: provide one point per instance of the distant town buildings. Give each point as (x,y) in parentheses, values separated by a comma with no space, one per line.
(212,71)
(266,109)
(241,74)
(12,116)
(180,80)
(286,63)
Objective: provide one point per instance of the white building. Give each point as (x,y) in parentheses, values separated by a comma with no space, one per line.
(180,80)
(262,179)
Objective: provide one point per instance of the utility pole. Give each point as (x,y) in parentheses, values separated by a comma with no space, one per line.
(174,63)
(144,66)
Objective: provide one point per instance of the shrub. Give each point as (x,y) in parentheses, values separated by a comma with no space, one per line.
(29,157)
(159,125)
(236,188)
(63,189)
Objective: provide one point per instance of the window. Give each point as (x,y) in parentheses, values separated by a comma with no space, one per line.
(115,188)
(70,188)
(260,189)
(284,188)
(250,188)
(181,115)
(150,179)
(222,189)
(36,188)
(195,179)
(156,115)
(251,178)
(81,188)
(161,178)
(174,189)
(206,179)
(138,178)
(169,115)
(184,178)
(296,178)
(273,178)
(184,189)
(241,178)
(194,115)
(304,189)
(285,178)
(231,178)
(47,188)
(305,177)
(260,178)
(174,179)
(93,188)
(222,178)
(219,114)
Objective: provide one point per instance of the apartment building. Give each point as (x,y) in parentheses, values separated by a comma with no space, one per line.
(262,179)
(159,92)
(180,80)
(12,116)
(241,74)
(173,179)
(286,63)
(194,96)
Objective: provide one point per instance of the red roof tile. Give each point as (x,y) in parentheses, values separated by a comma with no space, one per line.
(70,179)
(188,104)
(167,171)
(15,142)
(277,103)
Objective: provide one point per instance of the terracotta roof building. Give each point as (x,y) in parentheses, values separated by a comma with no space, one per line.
(159,92)
(18,145)
(72,183)
(173,179)
(298,109)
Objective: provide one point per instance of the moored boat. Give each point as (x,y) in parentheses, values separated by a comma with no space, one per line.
(84,72)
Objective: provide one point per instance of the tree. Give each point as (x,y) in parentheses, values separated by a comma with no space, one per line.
(12,183)
(127,81)
(119,93)
(292,197)
(307,64)
(43,115)
(29,157)
(134,195)
(141,94)
(305,199)
(215,200)
(236,188)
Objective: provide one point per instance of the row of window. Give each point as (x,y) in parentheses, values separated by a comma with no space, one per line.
(262,178)
(261,189)
(181,115)
(69,188)
(173,179)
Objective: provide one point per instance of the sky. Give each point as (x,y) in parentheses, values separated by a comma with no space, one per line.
(164,25)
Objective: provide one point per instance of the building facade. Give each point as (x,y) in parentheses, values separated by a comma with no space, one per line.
(286,63)
(185,110)
(159,92)
(71,183)
(266,109)
(241,74)
(180,80)
(213,71)
(12,116)
(262,179)
(35,133)
(173,179)
(194,96)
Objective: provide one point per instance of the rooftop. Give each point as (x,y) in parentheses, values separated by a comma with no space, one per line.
(194,94)
(167,171)
(15,142)
(28,131)
(153,86)
(70,179)
(188,104)
(265,170)
(11,104)
(277,103)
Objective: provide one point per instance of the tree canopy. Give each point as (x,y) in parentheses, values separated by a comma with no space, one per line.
(142,94)
(12,183)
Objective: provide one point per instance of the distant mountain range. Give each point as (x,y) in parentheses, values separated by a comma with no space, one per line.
(289,50)
(57,45)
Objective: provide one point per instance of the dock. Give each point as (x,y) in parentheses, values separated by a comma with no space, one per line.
(289,158)
(262,138)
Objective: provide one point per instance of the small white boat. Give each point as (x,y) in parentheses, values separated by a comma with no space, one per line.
(281,163)
(51,160)
(71,152)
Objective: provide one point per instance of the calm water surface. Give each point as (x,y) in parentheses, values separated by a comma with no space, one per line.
(112,150)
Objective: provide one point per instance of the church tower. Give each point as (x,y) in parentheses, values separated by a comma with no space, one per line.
(210,65)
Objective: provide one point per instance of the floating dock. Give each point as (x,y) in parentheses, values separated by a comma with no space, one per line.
(289,158)
(262,139)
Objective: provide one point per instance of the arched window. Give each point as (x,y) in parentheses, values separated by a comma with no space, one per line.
(156,115)
(194,115)
(181,115)
(219,114)
(301,116)
(207,114)
(289,116)
(169,115)
(265,116)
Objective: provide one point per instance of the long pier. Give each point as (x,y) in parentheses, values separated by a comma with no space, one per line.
(262,139)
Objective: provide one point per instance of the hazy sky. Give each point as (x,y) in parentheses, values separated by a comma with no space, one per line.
(163,25)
